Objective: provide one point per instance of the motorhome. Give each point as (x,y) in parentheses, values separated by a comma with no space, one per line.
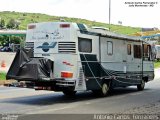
(70,57)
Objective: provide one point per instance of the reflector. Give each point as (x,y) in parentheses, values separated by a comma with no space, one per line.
(66,74)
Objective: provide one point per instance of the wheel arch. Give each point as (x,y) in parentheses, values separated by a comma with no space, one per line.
(145,79)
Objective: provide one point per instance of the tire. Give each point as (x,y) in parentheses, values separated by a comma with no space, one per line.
(103,91)
(141,86)
(69,92)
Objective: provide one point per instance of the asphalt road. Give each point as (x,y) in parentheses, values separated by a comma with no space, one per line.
(122,100)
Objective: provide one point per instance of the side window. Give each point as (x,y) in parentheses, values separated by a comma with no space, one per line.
(109,47)
(84,45)
(137,51)
(129,49)
(146,52)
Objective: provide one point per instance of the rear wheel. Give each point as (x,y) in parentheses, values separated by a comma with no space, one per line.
(69,92)
(141,86)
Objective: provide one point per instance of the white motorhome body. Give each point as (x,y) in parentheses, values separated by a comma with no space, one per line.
(88,59)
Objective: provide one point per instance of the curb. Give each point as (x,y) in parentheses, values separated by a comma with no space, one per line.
(6,82)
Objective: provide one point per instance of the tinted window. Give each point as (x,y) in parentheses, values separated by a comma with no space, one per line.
(84,45)
(82,27)
(137,51)
(146,52)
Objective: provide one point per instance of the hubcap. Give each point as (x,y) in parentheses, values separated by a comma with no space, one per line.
(105,88)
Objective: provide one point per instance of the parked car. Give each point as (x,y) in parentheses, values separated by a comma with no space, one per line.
(6,49)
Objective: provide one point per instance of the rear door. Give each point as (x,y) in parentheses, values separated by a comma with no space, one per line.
(134,61)
(137,67)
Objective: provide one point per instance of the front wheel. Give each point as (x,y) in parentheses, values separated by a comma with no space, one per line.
(141,86)
(103,91)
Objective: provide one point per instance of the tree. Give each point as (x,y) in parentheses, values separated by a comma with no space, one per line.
(2,23)
(3,40)
(13,24)
(15,39)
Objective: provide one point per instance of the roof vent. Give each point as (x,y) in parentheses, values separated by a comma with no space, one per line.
(82,27)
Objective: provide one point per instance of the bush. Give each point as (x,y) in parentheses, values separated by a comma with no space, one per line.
(2,76)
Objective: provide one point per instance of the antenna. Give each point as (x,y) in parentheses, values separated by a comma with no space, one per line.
(109,14)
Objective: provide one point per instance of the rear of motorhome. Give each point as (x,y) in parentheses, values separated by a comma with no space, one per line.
(70,57)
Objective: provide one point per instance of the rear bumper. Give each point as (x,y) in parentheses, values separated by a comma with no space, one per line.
(65,83)
(53,84)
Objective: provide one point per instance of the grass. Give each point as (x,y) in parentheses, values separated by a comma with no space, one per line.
(157,64)
(26,18)
(2,76)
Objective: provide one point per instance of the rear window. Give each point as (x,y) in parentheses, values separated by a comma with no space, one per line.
(85,45)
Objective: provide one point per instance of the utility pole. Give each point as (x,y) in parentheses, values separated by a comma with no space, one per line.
(109,15)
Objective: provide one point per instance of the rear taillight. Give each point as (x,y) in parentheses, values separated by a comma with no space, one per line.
(64,25)
(65,74)
(31,26)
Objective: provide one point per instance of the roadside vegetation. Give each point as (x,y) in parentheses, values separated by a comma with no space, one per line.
(2,76)
(157,64)
(17,20)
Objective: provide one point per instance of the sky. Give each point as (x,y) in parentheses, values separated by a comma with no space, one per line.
(95,10)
